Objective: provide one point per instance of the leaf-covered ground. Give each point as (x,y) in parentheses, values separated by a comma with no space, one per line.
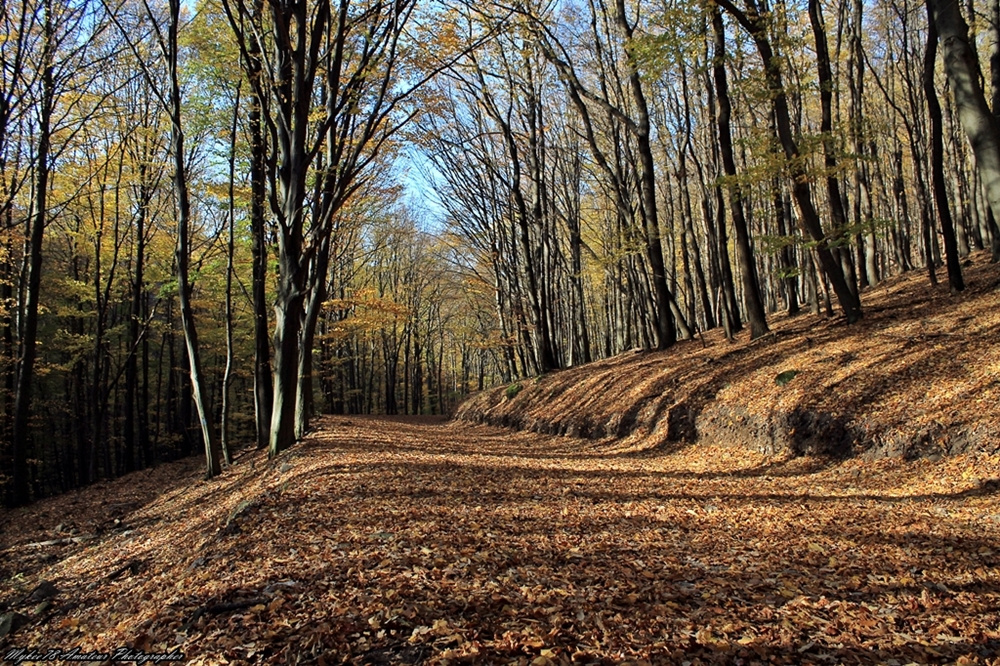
(386,541)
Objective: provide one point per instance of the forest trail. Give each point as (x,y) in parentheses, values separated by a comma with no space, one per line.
(413,540)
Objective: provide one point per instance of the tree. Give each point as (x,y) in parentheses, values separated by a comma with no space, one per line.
(358,48)
(962,67)
(751,287)
(937,160)
(753,22)
(60,58)
(170,99)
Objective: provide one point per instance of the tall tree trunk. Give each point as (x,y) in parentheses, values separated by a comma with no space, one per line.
(418,375)
(782,208)
(752,300)
(867,248)
(837,211)
(937,159)
(582,331)
(8,350)
(98,400)
(307,337)
(962,68)
(227,378)
(80,408)
(212,454)
(263,388)
(134,342)
(149,452)
(288,317)
(20,436)
(991,220)
(262,378)
(537,261)
(715,208)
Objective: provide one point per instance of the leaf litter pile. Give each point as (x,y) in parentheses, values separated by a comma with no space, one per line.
(405,540)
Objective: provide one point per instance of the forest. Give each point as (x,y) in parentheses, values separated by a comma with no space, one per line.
(223,218)
(506,332)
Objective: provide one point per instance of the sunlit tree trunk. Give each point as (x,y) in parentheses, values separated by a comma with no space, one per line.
(867,250)
(227,379)
(942,204)
(183,254)
(962,67)
(753,302)
(310,316)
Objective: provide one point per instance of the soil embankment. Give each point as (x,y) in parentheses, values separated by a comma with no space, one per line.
(918,376)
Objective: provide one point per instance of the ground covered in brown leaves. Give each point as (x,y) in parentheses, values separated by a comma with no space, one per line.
(919,375)
(388,541)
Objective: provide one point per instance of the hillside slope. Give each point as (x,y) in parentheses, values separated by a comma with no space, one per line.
(918,376)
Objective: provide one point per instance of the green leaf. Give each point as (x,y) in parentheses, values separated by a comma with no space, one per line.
(784,377)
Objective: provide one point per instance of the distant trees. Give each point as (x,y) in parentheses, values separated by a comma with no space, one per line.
(48,66)
(331,97)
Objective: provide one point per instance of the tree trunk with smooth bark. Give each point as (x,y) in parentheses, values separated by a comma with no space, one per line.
(955,281)
(962,67)
(753,302)
(213,462)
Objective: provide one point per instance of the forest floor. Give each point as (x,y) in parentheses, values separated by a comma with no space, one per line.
(688,528)
(410,540)
(919,375)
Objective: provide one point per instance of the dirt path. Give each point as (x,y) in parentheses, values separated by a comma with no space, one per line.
(418,541)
